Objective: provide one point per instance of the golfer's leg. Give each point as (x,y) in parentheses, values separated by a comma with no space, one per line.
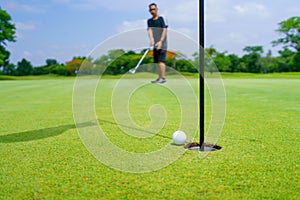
(158,70)
(161,69)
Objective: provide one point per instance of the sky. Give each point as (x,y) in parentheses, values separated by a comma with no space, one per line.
(62,29)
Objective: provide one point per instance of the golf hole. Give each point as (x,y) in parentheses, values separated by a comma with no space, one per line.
(207,147)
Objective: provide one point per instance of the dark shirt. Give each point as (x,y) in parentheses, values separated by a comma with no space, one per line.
(157,27)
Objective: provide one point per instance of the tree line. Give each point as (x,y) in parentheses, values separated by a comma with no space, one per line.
(119,61)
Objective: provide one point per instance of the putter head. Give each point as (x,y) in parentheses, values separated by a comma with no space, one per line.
(132,71)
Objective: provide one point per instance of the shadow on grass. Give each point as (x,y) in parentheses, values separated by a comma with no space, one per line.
(39,134)
(27,136)
(129,127)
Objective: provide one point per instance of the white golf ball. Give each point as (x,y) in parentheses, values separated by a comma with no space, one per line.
(179,137)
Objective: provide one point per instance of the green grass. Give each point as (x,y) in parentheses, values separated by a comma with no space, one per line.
(40,77)
(225,75)
(42,156)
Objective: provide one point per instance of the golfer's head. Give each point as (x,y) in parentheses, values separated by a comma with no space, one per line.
(153,9)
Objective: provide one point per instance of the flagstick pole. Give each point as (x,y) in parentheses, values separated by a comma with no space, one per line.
(201,75)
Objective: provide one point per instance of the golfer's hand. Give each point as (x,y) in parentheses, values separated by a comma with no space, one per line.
(152,42)
(158,45)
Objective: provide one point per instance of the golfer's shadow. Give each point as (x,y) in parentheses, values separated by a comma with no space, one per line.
(39,134)
(101,121)
(32,135)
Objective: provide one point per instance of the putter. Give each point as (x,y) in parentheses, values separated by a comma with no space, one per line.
(133,70)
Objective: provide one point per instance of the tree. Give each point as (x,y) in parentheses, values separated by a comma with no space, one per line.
(252,59)
(51,62)
(290,29)
(183,65)
(269,64)
(79,64)
(9,69)
(220,60)
(295,64)
(24,68)
(103,60)
(7,34)
(235,61)
(4,55)
(61,70)
(242,67)
(209,64)
(285,60)
(74,65)
(42,70)
(114,54)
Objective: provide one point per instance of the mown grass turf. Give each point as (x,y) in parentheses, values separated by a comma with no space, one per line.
(225,75)
(42,156)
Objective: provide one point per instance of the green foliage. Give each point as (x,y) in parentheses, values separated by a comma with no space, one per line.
(295,63)
(285,60)
(119,62)
(184,66)
(24,68)
(114,54)
(52,69)
(60,70)
(9,69)
(50,62)
(103,60)
(7,34)
(86,67)
(269,64)
(242,67)
(4,55)
(252,59)
(290,28)
(98,69)
(222,62)
(234,62)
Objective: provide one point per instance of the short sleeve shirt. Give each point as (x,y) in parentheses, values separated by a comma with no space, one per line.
(157,27)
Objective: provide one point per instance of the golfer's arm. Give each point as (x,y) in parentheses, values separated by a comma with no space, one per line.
(163,35)
(150,34)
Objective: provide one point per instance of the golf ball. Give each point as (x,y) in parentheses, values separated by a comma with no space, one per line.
(179,137)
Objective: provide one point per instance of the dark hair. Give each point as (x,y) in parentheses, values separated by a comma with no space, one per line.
(152,4)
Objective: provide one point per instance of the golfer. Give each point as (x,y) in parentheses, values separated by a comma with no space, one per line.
(157,32)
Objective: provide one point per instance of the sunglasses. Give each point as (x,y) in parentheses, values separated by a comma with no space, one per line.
(151,9)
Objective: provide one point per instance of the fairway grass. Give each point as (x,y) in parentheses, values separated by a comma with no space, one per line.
(42,156)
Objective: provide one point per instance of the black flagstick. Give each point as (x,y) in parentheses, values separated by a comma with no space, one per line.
(201,75)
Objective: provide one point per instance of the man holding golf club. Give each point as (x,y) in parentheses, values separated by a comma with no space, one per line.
(157,32)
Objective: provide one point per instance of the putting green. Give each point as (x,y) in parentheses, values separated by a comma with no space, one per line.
(42,156)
